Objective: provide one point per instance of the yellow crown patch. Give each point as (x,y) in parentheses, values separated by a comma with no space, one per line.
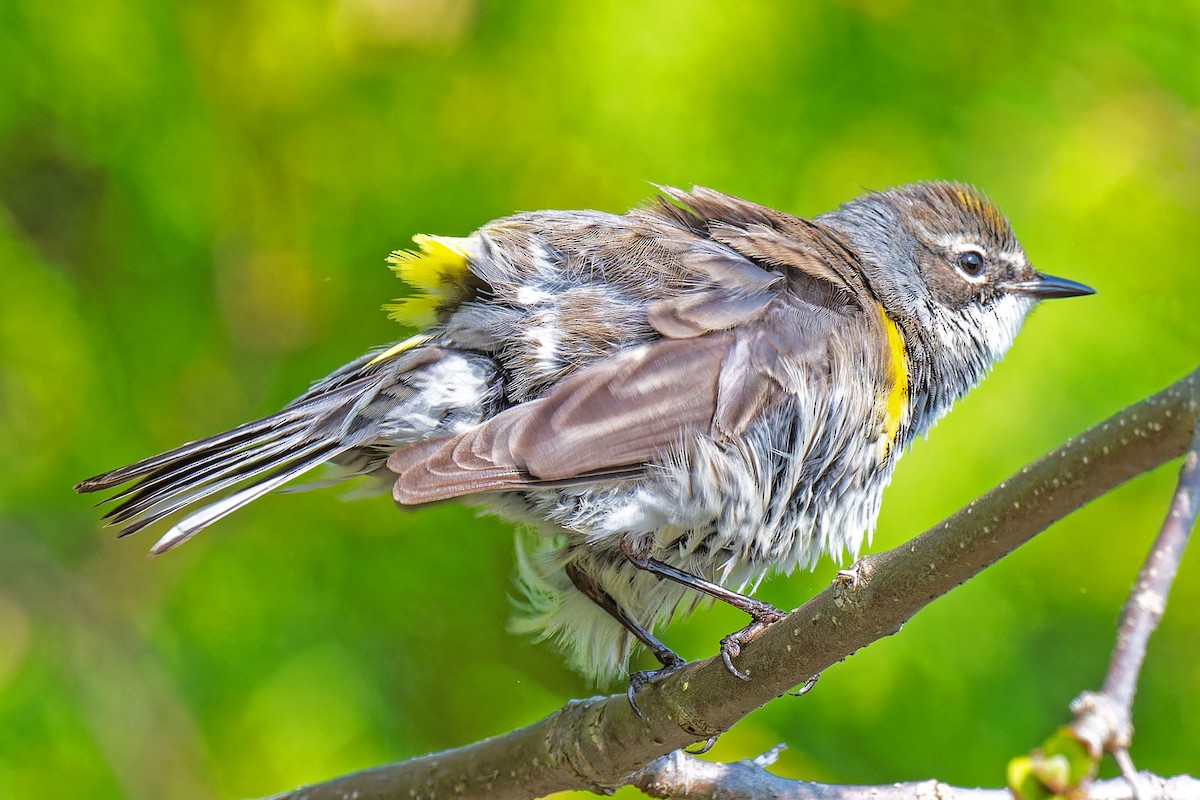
(975,203)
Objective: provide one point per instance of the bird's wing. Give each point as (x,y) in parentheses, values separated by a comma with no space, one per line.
(605,421)
(813,260)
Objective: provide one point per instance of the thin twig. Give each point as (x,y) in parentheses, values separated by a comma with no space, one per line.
(1146,604)
(1103,720)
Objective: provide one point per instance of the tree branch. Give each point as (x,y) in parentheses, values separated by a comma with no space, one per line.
(598,743)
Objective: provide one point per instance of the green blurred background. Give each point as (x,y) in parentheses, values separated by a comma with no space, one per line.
(195,204)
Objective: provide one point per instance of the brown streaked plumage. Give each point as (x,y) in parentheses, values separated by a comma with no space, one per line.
(681,398)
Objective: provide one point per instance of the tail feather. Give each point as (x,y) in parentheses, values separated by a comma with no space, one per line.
(197,521)
(314,410)
(138,469)
(251,459)
(168,482)
(237,469)
(353,417)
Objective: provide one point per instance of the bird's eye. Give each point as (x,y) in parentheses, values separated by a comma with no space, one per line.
(971,263)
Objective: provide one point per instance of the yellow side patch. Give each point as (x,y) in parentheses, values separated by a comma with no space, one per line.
(897,378)
(438,268)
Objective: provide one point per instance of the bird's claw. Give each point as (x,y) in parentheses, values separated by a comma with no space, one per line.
(731,646)
(639,680)
(807,687)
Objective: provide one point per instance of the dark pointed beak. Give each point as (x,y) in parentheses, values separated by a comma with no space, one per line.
(1047,287)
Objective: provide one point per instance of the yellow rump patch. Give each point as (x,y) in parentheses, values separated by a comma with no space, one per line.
(438,269)
(897,378)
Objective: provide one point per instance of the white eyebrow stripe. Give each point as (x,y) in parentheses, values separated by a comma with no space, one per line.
(960,244)
(957,243)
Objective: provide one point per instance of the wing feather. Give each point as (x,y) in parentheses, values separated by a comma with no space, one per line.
(802,249)
(695,314)
(604,420)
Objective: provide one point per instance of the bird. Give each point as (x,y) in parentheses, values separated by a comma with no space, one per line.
(672,403)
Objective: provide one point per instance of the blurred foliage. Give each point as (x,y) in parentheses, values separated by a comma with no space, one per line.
(195,202)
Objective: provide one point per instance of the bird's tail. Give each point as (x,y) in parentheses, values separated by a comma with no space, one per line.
(358,414)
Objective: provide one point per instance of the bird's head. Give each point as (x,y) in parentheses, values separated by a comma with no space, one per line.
(947,267)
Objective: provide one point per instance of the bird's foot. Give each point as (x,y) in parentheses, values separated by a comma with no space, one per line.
(764,615)
(639,680)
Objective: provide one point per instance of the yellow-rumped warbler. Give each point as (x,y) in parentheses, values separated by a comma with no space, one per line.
(682,398)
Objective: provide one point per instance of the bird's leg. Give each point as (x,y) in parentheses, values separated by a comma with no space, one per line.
(666,656)
(761,614)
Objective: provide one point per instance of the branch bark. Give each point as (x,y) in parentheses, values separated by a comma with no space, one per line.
(597,743)
(682,777)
